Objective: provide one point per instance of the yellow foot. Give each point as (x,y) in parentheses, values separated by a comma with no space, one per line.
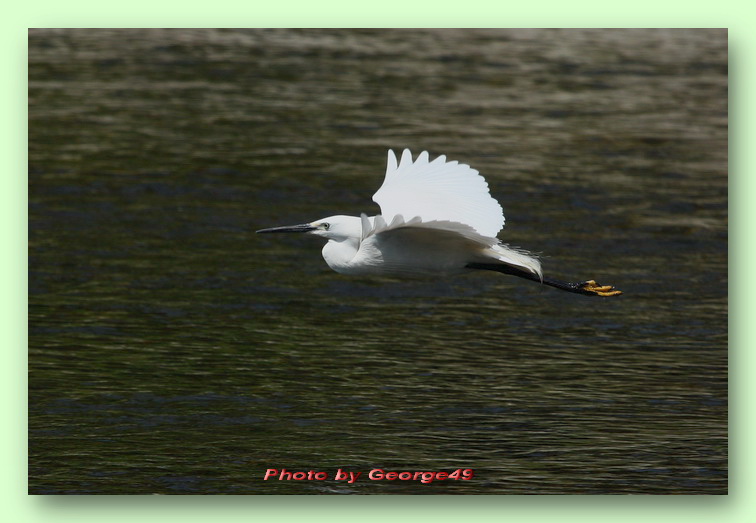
(592,287)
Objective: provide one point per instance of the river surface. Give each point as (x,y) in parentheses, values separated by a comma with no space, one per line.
(173,351)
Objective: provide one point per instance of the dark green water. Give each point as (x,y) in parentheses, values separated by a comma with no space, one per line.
(173,351)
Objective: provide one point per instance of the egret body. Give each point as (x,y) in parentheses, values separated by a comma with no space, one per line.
(437,219)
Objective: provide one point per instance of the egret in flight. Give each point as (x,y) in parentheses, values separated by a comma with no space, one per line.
(437,219)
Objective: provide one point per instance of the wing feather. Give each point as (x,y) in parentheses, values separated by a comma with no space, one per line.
(377,234)
(438,191)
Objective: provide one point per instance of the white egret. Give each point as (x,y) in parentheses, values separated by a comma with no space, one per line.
(437,218)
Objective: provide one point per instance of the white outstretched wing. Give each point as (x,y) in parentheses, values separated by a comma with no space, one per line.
(418,246)
(438,191)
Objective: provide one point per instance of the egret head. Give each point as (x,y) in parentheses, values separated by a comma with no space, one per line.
(337,228)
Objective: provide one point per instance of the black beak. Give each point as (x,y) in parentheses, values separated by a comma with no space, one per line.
(304,227)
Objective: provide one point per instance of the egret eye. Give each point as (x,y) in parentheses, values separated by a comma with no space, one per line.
(326,226)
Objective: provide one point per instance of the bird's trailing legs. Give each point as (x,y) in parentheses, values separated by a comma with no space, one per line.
(589,288)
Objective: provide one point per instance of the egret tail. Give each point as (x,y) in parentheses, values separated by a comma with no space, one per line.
(589,287)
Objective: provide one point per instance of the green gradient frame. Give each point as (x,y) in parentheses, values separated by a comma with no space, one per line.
(21,507)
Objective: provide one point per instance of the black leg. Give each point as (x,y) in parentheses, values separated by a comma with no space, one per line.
(588,288)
